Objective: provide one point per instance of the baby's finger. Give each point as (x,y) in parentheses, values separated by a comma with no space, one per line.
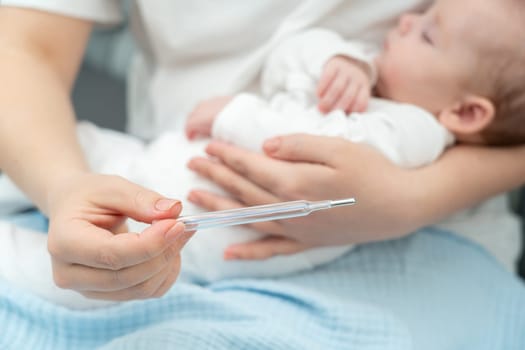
(360,104)
(191,129)
(347,98)
(264,248)
(327,77)
(336,88)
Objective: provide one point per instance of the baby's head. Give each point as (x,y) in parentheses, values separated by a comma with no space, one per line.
(464,61)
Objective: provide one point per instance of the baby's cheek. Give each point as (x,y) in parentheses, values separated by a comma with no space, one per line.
(390,79)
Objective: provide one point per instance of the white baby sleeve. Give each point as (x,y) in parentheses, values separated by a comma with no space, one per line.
(247,121)
(297,63)
(407,135)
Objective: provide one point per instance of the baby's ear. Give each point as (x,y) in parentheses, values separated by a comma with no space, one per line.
(469,116)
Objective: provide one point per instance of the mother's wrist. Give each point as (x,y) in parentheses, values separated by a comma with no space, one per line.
(60,184)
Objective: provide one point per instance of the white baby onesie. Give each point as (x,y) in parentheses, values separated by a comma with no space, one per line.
(406,134)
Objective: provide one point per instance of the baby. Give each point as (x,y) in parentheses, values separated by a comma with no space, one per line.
(442,76)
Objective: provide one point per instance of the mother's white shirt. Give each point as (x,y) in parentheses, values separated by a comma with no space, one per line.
(191,50)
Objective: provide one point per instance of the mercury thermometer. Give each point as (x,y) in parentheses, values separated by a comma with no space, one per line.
(267,212)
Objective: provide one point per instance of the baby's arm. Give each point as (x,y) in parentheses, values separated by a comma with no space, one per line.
(405,134)
(344,70)
(308,62)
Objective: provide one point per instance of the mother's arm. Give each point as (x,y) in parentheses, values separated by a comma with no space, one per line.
(392,202)
(40,53)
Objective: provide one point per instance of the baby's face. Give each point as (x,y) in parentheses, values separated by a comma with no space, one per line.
(428,57)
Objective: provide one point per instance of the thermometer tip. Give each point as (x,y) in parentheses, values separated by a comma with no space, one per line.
(343,202)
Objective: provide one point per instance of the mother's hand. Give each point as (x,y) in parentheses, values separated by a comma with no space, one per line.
(313,168)
(87,254)
(391,201)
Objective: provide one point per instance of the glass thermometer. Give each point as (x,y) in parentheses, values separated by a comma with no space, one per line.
(268,212)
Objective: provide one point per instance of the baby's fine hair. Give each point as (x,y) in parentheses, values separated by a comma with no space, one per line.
(504,72)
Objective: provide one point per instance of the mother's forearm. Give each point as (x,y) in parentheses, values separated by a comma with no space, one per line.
(463,177)
(40,54)
(37,133)
(396,202)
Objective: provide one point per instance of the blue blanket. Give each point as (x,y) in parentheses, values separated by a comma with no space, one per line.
(432,290)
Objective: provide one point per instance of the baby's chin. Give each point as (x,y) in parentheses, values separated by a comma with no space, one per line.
(380,90)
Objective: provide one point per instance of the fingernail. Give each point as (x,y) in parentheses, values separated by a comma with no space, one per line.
(174,233)
(209,148)
(192,197)
(166,204)
(272,145)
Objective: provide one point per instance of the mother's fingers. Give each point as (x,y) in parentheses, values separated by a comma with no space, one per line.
(153,287)
(211,201)
(281,178)
(101,249)
(237,185)
(305,148)
(168,282)
(85,278)
(250,165)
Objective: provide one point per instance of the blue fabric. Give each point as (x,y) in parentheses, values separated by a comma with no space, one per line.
(32,219)
(431,290)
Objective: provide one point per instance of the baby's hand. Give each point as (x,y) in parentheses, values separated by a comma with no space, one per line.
(200,120)
(344,85)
